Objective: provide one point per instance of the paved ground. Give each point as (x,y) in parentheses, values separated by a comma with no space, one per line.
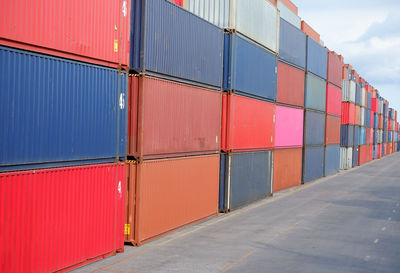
(346,223)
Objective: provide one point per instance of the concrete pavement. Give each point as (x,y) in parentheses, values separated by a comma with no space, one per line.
(349,222)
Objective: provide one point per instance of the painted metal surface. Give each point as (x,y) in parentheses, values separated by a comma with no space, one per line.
(168,118)
(313,163)
(247,124)
(346,158)
(315,93)
(247,178)
(355,156)
(363,136)
(361,155)
(349,91)
(57,219)
(310,31)
(356,140)
(248,68)
(357,115)
(287,168)
(363,97)
(257,20)
(332,160)
(333,100)
(346,135)
(316,59)
(288,15)
(170,193)
(358,94)
(60,113)
(348,113)
(332,131)
(335,68)
(362,116)
(292,44)
(169,41)
(290,89)
(69,29)
(314,128)
(289,127)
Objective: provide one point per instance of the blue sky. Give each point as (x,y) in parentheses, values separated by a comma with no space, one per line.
(366,33)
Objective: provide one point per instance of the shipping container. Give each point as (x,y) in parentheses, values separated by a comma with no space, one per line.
(290,5)
(59,112)
(363,97)
(310,31)
(362,140)
(367,151)
(371,136)
(289,127)
(361,155)
(357,115)
(356,140)
(290,89)
(349,91)
(362,116)
(61,218)
(315,93)
(335,67)
(289,16)
(358,94)
(332,132)
(333,100)
(348,113)
(370,152)
(292,44)
(346,158)
(316,59)
(69,29)
(314,128)
(257,19)
(287,168)
(245,179)
(248,68)
(332,160)
(247,124)
(313,163)
(346,135)
(166,194)
(169,118)
(355,156)
(169,41)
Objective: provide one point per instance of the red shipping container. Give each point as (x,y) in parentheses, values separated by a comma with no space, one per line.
(379,152)
(357,115)
(346,69)
(168,118)
(388,148)
(290,85)
(367,150)
(370,147)
(166,194)
(371,135)
(287,168)
(307,29)
(361,155)
(374,105)
(332,130)
(335,68)
(290,6)
(372,120)
(380,121)
(348,113)
(87,31)
(59,219)
(390,125)
(367,136)
(333,100)
(178,2)
(247,124)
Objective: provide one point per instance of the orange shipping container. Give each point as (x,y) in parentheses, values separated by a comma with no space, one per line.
(307,29)
(357,115)
(287,168)
(166,194)
(290,5)
(332,132)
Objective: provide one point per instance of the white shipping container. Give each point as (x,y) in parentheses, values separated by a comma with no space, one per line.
(362,116)
(288,15)
(346,158)
(363,97)
(349,91)
(380,136)
(256,19)
(380,106)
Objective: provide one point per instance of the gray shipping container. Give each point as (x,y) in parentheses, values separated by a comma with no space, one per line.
(332,159)
(313,163)
(314,128)
(315,93)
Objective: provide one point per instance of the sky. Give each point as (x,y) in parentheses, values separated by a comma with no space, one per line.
(366,33)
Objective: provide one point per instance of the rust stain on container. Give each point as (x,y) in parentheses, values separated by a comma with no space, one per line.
(287,168)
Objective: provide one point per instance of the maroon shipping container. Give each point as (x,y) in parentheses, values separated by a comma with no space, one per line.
(332,132)
(62,218)
(168,119)
(247,124)
(290,85)
(88,31)
(335,68)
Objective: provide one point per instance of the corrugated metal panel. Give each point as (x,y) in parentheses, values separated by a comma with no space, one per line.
(363,97)
(288,127)
(335,68)
(248,178)
(346,158)
(248,68)
(356,141)
(292,44)
(349,91)
(214,11)
(313,163)
(288,15)
(54,111)
(310,31)
(369,100)
(287,168)
(174,118)
(362,136)
(170,41)
(346,135)
(290,89)
(358,94)
(249,124)
(362,116)
(348,113)
(355,157)
(86,31)
(314,124)
(332,159)
(316,59)
(333,100)
(56,219)
(315,93)
(332,132)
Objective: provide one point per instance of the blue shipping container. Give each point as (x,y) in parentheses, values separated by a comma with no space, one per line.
(363,135)
(355,156)
(346,135)
(316,58)
(169,41)
(332,160)
(376,119)
(369,100)
(245,178)
(313,163)
(292,44)
(314,128)
(356,136)
(57,112)
(374,152)
(249,69)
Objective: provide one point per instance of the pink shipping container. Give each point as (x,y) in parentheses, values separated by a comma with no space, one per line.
(88,31)
(333,100)
(58,219)
(288,127)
